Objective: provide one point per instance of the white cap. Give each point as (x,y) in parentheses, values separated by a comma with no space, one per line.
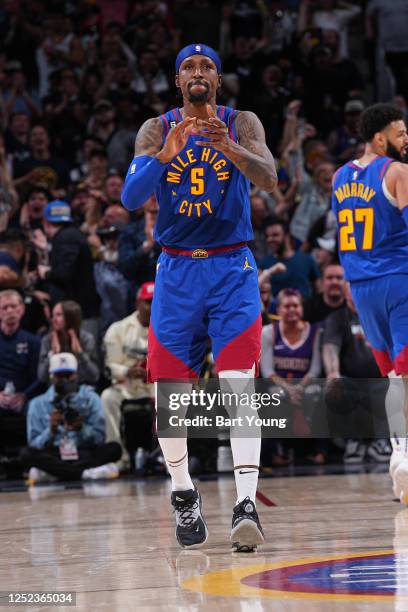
(63,362)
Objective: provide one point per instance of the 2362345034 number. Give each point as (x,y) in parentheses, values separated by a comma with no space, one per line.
(347,218)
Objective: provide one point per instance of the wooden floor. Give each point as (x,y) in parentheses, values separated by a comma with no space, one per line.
(114,545)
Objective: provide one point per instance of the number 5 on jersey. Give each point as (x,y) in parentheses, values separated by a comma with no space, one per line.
(197,181)
(347,217)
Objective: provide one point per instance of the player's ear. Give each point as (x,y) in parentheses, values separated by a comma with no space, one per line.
(219,81)
(177,81)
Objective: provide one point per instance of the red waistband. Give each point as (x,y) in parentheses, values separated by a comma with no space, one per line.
(203,253)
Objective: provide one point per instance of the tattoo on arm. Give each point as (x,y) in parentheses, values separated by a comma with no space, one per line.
(149,138)
(252,156)
(331,358)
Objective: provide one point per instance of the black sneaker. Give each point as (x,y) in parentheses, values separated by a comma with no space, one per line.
(191,529)
(246,531)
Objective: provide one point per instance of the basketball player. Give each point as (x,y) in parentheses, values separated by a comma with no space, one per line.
(370,200)
(200,160)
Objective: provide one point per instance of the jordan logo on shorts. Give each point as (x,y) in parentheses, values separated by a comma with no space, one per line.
(246,265)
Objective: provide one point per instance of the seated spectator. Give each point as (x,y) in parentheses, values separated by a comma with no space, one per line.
(66,335)
(97,171)
(111,285)
(353,398)
(332,297)
(301,269)
(290,358)
(66,430)
(19,352)
(70,254)
(126,350)
(113,188)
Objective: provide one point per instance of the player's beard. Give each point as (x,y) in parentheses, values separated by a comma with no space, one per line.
(202,97)
(393,152)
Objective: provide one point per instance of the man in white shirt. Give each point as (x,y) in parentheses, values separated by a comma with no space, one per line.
(125,346)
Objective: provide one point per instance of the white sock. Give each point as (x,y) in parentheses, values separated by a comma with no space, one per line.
(245,451)
(175,450)
(176,456)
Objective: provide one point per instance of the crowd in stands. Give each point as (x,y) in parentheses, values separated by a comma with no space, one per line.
(77,80)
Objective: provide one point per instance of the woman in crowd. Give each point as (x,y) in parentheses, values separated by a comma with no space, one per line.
(66,335)
(291,359)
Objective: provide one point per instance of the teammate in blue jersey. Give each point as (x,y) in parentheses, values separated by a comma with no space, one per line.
(200,160)
(370,200)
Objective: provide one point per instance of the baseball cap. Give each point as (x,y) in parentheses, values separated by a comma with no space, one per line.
(354,106)
(63,362)
(58,211)
(146,291)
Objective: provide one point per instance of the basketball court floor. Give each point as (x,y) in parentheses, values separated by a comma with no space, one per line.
(334,542)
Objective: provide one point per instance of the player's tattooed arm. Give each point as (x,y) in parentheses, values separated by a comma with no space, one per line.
(149,138)
(252,156)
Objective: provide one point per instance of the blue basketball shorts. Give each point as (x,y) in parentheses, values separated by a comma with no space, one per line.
(195,299)
(382,305)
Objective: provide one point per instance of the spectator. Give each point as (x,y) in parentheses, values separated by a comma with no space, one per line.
(138,252)
(97,171)
(18,136)
(18,369)
(102,124)
(344,141)
(16,97)
(113,188)
(315,198)
(301,269)
(111,285)
(60,47)
(349,365)
(13,275)
(259,214)
(126,351)
(388,22)
(327,15)
(12,254)
(41,168)
(66,430)
(290,357)
(151,84)
(32,211)
(66,335)
(70,254)
(331,298)
(8,195)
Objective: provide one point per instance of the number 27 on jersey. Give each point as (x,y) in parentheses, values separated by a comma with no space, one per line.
(348,218)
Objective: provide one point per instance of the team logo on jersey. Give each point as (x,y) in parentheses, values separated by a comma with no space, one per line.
(173,124)
(132,168)
(247,266)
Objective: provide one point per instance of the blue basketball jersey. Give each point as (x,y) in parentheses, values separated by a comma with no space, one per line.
(203,198)
(373,237)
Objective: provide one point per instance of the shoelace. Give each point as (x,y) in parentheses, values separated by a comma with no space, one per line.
(187,513)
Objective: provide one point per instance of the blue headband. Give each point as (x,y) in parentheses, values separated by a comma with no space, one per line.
(198,50)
